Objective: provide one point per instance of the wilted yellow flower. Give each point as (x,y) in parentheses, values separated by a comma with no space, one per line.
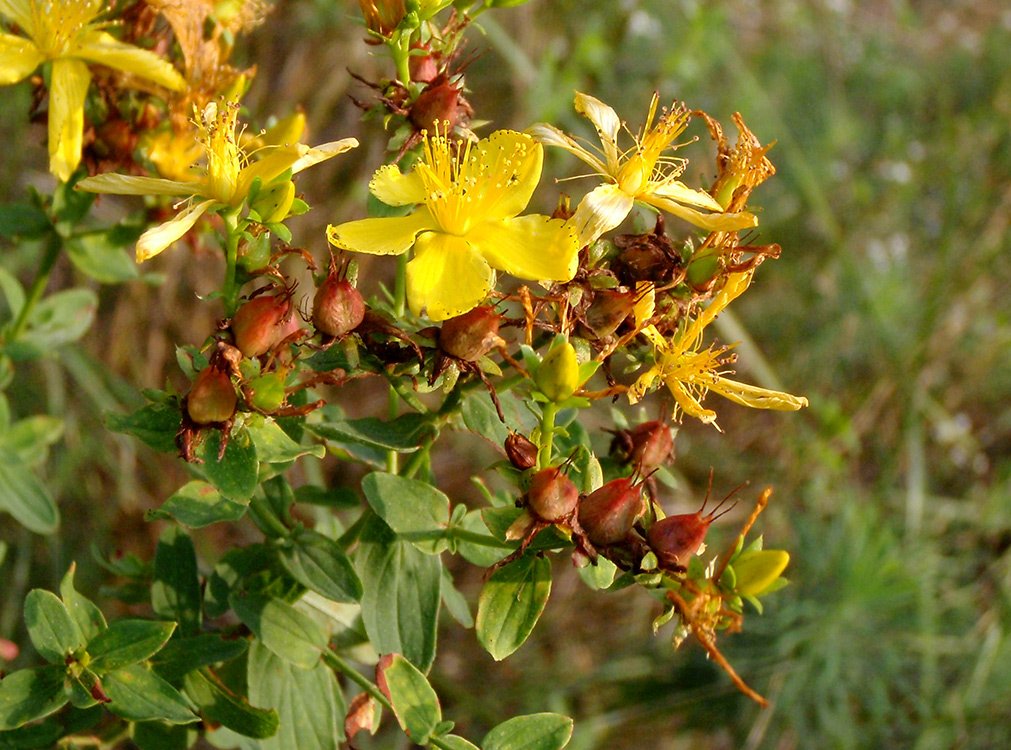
(65,32)
(690,372)
(467,224)
(641,173)
(224,181)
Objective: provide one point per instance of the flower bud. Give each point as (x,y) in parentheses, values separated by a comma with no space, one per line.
(756,570)
(607,515)
(552,495)
(521,451)
(338,308)
(273,202)
(383,16)
(472,335)
(558,375)
(261,323)
(212,398)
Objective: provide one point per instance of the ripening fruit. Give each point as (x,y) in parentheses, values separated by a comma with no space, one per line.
(260,324)
(472,335)
(552,495)
(675,539)
(608,514)
(646,446)
(212,398)
(521,451)
(266,392)
(338,308)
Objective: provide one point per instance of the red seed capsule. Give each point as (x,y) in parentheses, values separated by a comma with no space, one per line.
(646,446)
(212,398)
(260,323)
(439,107)
(675,539)
(338,308)
(552,496)
(608,514)
(521,451)
(472,335)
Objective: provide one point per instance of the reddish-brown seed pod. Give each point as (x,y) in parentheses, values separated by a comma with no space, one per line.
(552,495)
(438,107)
(472,335)
(608,514)
(646,446)
(337,308)
(675,539)
(422,64)
(260,323)
(212,398)
(521,451)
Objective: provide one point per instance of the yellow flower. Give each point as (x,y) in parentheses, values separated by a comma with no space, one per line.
(690,372)
(224,181)
(65,32)
(468,223)
(642,173)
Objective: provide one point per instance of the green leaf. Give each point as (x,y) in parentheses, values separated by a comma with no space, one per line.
(308,701)
(532,732)
(482,555)
(53,631)
(156,735)
(138,694)
(182,655)
(510,604)
(175,591)
(456,742)
(155,425)
(273,446)
(235,565)
(236,474)
(403,434)
(456,602)
(25,497)
(127,642)
(30,694)
(101,256)
(415,510)
(58,319)
(286,631)
(330,497)
(599,576)
(401,599)
(13,292)
(198,504)
(415,703)
(220,705)
(23,220)
(319,564)
(30,437)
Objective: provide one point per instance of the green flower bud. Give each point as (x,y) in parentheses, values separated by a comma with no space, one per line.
(266,392)
(757,570)
(558,375)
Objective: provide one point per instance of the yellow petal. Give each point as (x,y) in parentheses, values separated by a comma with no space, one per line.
(18,58)
(446,277)
(396,189)
(322,152)
(510,165)
(607,123)
(714,222)
(602,209)
(530,247)
(645,303)
(755,397)
(122,184)
(387,236)
(159,238)
(99,47)
(689,404)
(69,86)
(675,190)
(20,12)
(733,287)
(549,135)
(273,162)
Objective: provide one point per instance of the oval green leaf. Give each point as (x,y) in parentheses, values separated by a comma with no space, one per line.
(236,474)
(532,732)
(127,642)
(198,504)
(53,631)
(319,564)
(138,694)
(30,694)
(415,703)
(25,497)
(220,705)
(287,632)
(510,604)
(414,510)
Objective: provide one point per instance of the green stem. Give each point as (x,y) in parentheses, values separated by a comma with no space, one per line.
(230,288)
(547,436)
(400,287)
(345,668)
(53,247)
(483,540)
(400,50)
(264,517)
(392,457)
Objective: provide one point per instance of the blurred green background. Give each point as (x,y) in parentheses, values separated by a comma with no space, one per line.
(888,310)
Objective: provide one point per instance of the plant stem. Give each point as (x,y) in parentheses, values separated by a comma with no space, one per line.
(230,287)
(392,457)
(483,540)
(547,436)
(400,50)
(400,287)
(342,666)
(53,247)
(264,517)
